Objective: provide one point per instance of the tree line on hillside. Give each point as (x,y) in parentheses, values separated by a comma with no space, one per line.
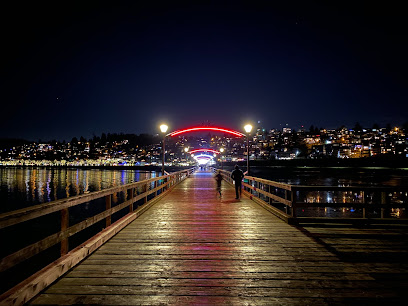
(105,138)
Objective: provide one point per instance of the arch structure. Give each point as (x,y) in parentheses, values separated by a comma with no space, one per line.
(204,150)
(198,129)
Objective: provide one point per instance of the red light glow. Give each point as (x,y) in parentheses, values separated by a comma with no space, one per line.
(195,129)
(204,150)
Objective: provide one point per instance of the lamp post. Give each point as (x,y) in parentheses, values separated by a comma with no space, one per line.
(163,129)
(248,129)
(221,150)
(185,153)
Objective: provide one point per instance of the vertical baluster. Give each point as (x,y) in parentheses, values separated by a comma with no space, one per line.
(383,202)
(364,203)
(64,227)
(145,191)
(108,202)
(293,200)
(131,198)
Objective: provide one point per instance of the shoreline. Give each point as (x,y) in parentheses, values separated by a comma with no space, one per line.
(397,164)
(141,168)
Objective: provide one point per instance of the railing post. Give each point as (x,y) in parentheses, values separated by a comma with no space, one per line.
(293,201)
(64,227)
(364,202)
(145,191)
(131,198)
(383,202)
(108,202)
(155,185)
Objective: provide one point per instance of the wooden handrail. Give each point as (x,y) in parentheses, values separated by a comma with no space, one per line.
(19,216)
(253,187)
(25,214)
(269,182)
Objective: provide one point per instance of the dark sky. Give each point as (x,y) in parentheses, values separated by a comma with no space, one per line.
(82,68)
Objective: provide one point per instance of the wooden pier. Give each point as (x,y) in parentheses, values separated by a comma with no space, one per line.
(192,248)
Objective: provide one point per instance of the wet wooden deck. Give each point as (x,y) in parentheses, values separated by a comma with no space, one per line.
(192,248)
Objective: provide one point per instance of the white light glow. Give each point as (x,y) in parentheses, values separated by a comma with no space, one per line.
(163,128)
(203,161)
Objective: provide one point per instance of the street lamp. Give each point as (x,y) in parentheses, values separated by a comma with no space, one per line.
(185,153)
(163,129)
(248,129)
(221,150)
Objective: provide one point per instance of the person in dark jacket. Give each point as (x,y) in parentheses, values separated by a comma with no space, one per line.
(237,175)
(218,179)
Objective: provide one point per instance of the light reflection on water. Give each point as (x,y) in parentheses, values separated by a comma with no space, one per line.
(343,177)
(22,187)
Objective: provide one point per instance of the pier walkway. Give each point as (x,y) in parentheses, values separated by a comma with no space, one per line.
(192,248)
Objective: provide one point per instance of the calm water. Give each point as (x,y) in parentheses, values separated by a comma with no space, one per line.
(22,187)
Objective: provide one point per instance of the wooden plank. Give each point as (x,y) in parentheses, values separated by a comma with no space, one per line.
(225,291)
(52,299)
(225,282)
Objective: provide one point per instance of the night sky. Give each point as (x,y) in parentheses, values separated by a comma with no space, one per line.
(82,68)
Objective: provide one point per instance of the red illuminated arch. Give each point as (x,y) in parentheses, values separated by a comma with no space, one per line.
(197,129)
(204,150)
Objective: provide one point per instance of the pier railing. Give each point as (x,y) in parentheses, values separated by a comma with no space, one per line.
(131,201)
(341,204)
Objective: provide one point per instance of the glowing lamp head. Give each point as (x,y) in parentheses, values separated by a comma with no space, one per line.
(163,128)
(248,128)
(186,150)
(222,150)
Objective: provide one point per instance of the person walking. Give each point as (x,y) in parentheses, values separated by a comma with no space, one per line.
(237,175)
(218,179)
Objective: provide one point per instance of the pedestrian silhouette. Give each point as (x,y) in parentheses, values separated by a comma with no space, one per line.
(218,179)
(237,175)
